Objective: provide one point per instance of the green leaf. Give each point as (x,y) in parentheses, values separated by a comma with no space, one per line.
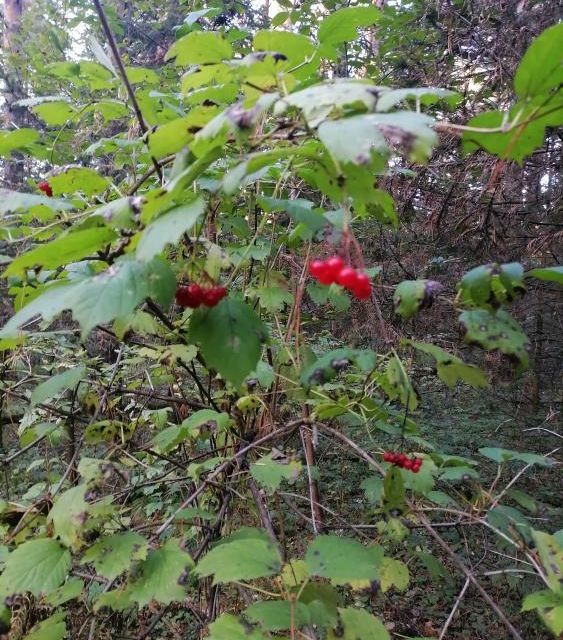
(294,46)
(450,368)
(161,576)
(393,573)
(55,113)
(241,558)
(541,68)
(491,285)
(269,473)
(11,201)
(230,336)
(427,95)
(550,609)
(66,248)
(174,136)
(319,101)
(117,292)
(342,25)
(70,590)
(342,560)
(373,489)
(330,364)
(229,627)
(72,515)
(524,125)
(17,139)
(52,628)
(496,331)
(353,140)
(66,380)
(204,423)
(413,295)
(114,554)
(397,384)
(505,455)
(200,47)
(169,228)
(50,303)
(78,180)
(38,566)
(277,615)
(551,555)
(356,624)
(393,490)
(551,274)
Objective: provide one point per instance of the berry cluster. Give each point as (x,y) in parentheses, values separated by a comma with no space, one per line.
(46,188)
(334,270)
(401,460)
(193,295)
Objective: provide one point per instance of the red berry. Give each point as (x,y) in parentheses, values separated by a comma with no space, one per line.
(325,276)
(213,295)
(189,296)
(401,458)
(334,266)
(316,268)
(388,456)
(362,286)
(46,188)
(408,464)
(347,277)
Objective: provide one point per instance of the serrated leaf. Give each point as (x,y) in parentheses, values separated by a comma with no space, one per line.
(393,573)
(230,336)
(496,331)
(66,380)
(319,101)
(175,135)
(493,284)
(353,140)
(551,555)
(169,228)
(342,25)
(72,516)
(229,627)
(55,113)
(450,368)
(551,274)
(241,558)
(52,628)
(78,179)
(330,364)
(112,555)
(541,67)
(505,455)
(38,566)
(427,95)
(16,139)
(342,560)
(70,590)
(65,249)
(119,290)
(269,473)
(413,295)
(161,575)
(396,383)
(11,201)
(277,615)
(200,47)
(354,624)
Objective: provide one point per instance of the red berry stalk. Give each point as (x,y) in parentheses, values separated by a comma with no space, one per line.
(401,460)
(194,295)
(334,270)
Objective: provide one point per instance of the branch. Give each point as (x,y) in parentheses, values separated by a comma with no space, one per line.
(123,73)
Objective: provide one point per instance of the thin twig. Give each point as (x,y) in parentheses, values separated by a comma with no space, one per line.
(123,73)
(454,609)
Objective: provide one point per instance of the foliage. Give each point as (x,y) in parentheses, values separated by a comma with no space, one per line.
(235,160)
